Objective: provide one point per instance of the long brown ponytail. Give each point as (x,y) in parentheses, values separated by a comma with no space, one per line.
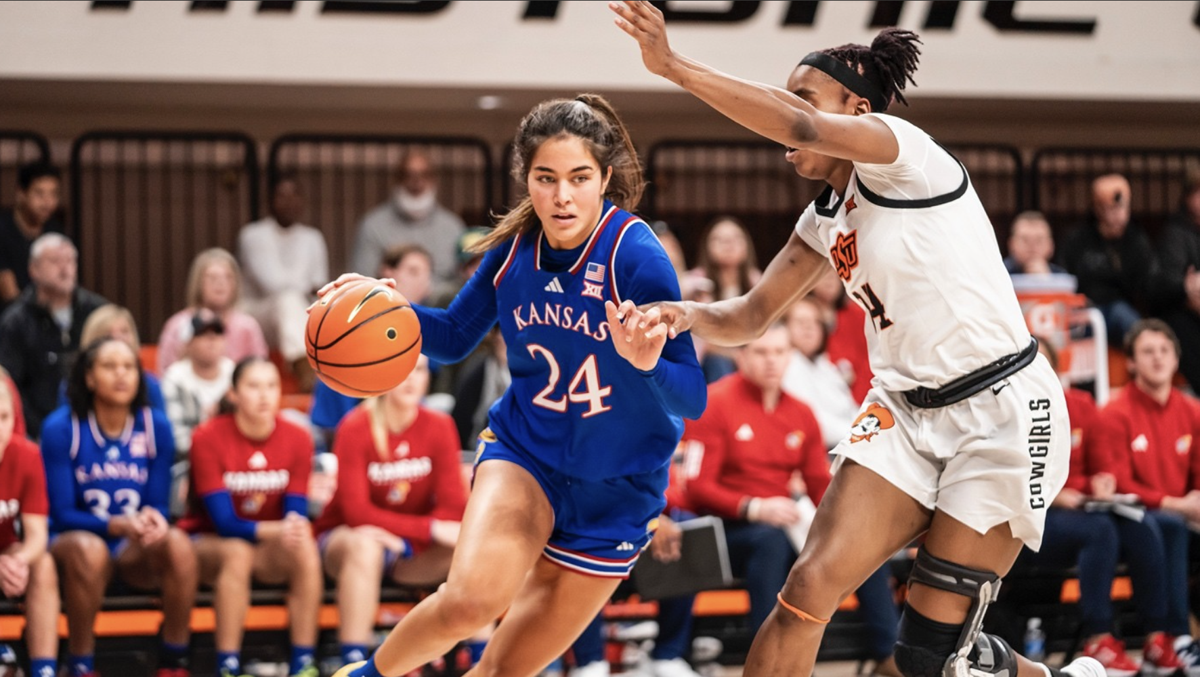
(591,118)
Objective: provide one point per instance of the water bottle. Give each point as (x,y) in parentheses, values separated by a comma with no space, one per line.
(1035,640)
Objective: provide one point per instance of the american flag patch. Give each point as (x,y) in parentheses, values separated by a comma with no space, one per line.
(595,272)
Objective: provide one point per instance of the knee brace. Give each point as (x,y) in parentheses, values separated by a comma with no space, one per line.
(925,643)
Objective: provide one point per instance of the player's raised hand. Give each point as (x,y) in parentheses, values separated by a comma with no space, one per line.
(635,339)
(645,23)
(347,278)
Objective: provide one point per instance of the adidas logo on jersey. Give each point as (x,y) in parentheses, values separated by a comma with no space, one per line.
(554,286)
(625,547)
(744,433)
(258,461)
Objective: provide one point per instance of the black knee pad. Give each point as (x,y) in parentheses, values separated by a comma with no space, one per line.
(923,644)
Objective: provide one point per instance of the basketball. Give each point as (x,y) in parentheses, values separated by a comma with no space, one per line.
(363,338)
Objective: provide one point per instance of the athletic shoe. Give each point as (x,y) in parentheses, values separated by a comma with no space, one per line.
(310,670)
(347,668)
(1188,651)
(676,667)
(230,673)
(593,669)
(1085,666)
(1110,652)
(1159,657)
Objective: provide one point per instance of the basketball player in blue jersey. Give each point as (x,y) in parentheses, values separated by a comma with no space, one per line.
(963,436)
(572,470)
(108,476)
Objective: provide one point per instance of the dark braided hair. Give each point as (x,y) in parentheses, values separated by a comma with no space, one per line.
(889,63)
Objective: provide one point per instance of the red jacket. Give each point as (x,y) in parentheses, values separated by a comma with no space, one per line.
(419,480)
(738,450)
(1088,457)
(847,348)
(1154,447)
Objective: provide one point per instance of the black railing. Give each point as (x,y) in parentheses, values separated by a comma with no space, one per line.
(145,203)
(1062,179)
(693,182)
(345,176)
(18,148)
(999,179)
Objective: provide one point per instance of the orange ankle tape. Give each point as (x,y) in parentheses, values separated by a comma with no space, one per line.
(801,614)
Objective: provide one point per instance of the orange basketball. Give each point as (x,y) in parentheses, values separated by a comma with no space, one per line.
(363,338)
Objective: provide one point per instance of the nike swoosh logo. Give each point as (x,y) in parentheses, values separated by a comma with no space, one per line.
(998,387)
(377,291)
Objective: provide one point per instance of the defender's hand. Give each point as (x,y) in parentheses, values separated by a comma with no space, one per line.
(644,23)
(635,340)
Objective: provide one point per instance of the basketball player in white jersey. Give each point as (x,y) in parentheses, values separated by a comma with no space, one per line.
(964,434)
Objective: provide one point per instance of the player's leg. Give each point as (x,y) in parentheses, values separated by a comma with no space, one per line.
(507,523)
(168,565)
(355,562)
(225,565)
(554,606)
(85,566)
(862,520)
(41,611)
(299,565)
(954,578)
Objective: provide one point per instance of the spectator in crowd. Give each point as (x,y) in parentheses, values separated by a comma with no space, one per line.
(726,267)
(285,262)
(413,215)
(6,383)
(108,473)
(1111,256)
(39,186)
(1031,246)
(846,343)
(40,331)
(1096,540)
(483,379)
(113,321)
(214,283)
(399,504)
(411,266)
(26,568)
(1179,298)
(812,378)
(195,385)
(1150,429)
(674,249)
(250,472)
(752,440)
(468,260)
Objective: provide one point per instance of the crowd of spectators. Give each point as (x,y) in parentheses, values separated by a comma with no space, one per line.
(110,431)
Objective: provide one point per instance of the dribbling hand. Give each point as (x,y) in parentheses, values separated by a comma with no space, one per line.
(645,23)
(347,278)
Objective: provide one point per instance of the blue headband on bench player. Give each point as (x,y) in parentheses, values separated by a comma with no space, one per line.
(849,78)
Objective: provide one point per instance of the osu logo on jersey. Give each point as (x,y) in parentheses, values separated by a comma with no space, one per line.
(871,422)
(844,254)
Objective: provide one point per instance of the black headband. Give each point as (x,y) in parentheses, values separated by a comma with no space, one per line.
(849,78)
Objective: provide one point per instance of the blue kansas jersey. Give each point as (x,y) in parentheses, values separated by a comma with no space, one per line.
(91,478)
(574,403)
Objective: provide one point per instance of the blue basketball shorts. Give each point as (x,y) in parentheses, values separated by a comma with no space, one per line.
(600,526)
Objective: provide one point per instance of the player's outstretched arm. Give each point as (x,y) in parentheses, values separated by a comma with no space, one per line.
(792,273)
(769,111)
